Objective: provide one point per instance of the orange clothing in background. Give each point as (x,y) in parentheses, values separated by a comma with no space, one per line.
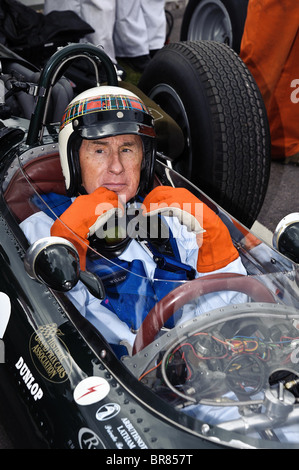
(270,49)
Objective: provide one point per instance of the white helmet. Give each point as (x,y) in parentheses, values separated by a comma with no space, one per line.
(99,112)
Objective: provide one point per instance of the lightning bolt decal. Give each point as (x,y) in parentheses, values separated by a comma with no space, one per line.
(91,390)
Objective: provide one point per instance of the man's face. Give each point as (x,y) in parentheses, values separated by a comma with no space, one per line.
(113,163)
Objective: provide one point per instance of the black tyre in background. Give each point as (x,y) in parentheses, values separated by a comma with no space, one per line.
(215,20)
(211,94)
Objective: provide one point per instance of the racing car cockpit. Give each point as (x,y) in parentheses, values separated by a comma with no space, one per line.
(234,369)
(230,373)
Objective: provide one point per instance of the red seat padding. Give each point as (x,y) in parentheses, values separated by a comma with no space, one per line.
(45,175)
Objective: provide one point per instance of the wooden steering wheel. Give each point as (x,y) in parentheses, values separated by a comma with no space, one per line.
(189,291)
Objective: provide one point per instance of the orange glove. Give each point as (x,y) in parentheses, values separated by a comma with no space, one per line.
(176,202)
(84,217)
(216,249)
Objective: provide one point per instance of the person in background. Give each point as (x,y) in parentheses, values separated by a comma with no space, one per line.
(131,30)
(270,49)
(140,30)
(99,14)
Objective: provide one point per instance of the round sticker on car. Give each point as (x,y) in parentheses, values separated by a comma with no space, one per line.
(107,411)
(91,390)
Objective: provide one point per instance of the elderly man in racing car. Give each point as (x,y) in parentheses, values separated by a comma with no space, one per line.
(107,145)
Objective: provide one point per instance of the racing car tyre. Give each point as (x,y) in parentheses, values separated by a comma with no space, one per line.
(217,20)
(210,93)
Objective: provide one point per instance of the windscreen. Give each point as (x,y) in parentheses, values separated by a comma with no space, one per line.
(221,348)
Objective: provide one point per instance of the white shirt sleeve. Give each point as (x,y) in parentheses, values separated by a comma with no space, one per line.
(186,241)
(37,226)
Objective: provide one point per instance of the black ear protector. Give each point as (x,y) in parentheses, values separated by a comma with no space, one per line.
(73,150)
(148,166)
